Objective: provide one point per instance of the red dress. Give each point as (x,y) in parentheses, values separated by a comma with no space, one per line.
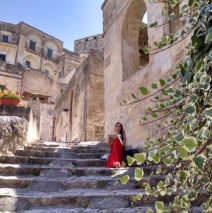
(116,155)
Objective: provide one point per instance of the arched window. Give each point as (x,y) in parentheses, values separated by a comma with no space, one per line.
(134,39)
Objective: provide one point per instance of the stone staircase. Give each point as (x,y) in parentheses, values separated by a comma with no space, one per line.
(62,177)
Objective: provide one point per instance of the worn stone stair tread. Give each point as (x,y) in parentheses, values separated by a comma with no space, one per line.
(57,154)
(87,210)
(67,182)
(47,160)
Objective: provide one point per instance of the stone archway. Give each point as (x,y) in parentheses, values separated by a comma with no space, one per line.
(131,48)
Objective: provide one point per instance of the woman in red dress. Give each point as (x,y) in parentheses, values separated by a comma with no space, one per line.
(117,145)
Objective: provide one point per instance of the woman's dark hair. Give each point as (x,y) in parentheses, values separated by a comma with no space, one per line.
(121,131)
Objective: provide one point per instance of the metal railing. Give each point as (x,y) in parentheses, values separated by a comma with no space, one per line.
(51,56)
(36,48)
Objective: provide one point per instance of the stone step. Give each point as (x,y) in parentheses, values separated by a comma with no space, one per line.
(73,149)
(50,184)
(53,161)
(88,210)
(23,199)
(36,153)
(32,169)
(59,153)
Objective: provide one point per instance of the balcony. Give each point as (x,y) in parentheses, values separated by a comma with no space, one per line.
(33,48)
(8,40)
(51,56)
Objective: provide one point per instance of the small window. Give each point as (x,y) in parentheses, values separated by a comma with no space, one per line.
(47,72)
(28,63)
(86,39)
(2,57)
(49,52)
(32,45)
(5,38)
(94,38)
(2,87)
(60,75)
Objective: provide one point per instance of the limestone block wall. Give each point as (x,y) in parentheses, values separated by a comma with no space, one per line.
(84,45)
(10,76)
(35,81)
(121,58)
(84,119)
(17,128)
(13,133)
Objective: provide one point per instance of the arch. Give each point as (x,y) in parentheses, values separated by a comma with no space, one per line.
(33,61)
(49,69)
(34,37)
(130,38)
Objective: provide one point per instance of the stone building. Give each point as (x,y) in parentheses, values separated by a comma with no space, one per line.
(64,89)
(126,68)
(35,64)
(79,112)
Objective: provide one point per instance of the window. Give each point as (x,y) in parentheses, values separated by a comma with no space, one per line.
(49,52)
(47,71)
(2,57)
(28,63)
(2,87)
(94,38)
(5,38)
(86,39)
(60,75)
(32,45)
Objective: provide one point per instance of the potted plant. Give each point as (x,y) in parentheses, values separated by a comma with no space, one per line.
(9,98)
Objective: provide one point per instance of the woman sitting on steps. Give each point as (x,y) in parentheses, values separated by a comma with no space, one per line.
(117,145)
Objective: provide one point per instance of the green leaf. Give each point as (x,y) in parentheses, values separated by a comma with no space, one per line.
(167,161)
(189,109)
(190,2)
(124,179)
(208,113)
(146,50)
(206,133)
(154,115)
(144,118)
(190,143)
(182,176)
(144,90)
(143,25)
(162,82)
(130,160)
(140,157)
(123,164)
(133,95)
(154,86)
(149,211)
(138,197)
(183,152)
(139,173)
(200,161)
(192,99)
(172,16)
(179,137)
(159,205)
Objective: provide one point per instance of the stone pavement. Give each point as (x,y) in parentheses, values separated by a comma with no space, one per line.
(66,178)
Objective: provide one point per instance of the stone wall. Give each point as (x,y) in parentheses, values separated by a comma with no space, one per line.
(84,119)
(84,45)
(13,133)
(122,75)
(14,128)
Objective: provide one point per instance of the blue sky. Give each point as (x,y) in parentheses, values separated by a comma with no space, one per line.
(67,20)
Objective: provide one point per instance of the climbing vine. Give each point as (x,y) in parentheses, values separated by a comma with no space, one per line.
(183,111)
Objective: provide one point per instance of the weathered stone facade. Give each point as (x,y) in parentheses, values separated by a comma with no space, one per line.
(80,110)
(123,73)
(37,65)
